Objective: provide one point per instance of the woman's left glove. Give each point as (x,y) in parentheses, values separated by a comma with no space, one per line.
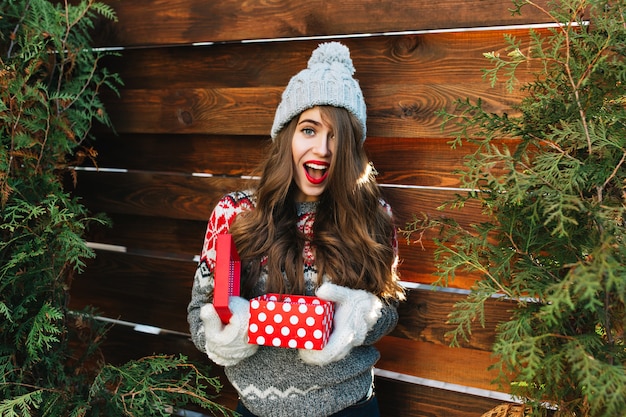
(228,344)
(356,312)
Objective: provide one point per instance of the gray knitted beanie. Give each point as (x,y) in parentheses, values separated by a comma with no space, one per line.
(327,80)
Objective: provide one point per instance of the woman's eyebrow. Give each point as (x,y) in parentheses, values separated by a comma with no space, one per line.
(315,122)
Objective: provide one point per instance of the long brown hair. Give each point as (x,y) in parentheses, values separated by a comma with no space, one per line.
(353,234)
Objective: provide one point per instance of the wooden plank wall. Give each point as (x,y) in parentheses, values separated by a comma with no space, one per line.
(202,81)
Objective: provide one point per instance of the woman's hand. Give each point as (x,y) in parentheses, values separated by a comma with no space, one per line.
(356,311)
(228,344)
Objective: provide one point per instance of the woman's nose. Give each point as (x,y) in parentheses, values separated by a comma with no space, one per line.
(322,147)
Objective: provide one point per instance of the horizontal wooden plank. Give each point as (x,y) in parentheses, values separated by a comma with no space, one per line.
(430,360)
(151,236)
(393,110)
(154,194)
(395,398)
(424,318)
(197,90)
(122,343)
(156,292)
(167,214)
(408,203)
(182,239)
(193,198)
(455,365)
(136,289)
(207,154)
(195,110)
(400,161)
(417,264)
(426,59)
(165,238)
(188,21)
(242,102)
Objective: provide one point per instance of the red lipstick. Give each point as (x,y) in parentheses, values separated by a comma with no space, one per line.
(316,171)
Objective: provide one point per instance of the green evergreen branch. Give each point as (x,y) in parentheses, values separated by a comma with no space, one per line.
(19,406)
(50,359)
(555,236)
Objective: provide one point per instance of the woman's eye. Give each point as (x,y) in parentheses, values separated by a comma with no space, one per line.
(308,131)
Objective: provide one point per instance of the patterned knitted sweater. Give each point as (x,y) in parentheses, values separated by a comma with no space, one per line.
(275,382)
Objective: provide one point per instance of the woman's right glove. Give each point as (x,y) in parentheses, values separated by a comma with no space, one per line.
(227,345)
(356,312)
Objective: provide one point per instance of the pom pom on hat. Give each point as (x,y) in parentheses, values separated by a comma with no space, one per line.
(327,81)
(332,52)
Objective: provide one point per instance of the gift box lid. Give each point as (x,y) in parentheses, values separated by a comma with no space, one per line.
(227,275)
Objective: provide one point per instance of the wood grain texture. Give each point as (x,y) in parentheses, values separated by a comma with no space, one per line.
(179,239)
(150,295)
(208,109)
(424,317)
(193,198)
(234,89)
(393,110)
(235,110)
(208,154)
(156,292)
(150,199)
(186,21)
(136,289)
(399,161)
(398,398)
(395,398)
(467,367)
(154,194)
(430,58)
(157,237)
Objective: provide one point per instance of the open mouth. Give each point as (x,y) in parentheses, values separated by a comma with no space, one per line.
(316,171)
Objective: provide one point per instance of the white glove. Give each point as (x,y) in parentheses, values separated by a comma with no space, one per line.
(356,312)
(228,344)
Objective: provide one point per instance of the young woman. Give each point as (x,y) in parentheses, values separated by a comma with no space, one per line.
(315,225)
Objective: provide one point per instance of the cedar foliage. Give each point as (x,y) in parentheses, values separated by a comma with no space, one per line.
(555,238)
(50,363)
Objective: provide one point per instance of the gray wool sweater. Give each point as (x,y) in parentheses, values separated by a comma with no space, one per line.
(275,382)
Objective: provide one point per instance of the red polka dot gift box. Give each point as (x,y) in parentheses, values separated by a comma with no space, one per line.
(290,321)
